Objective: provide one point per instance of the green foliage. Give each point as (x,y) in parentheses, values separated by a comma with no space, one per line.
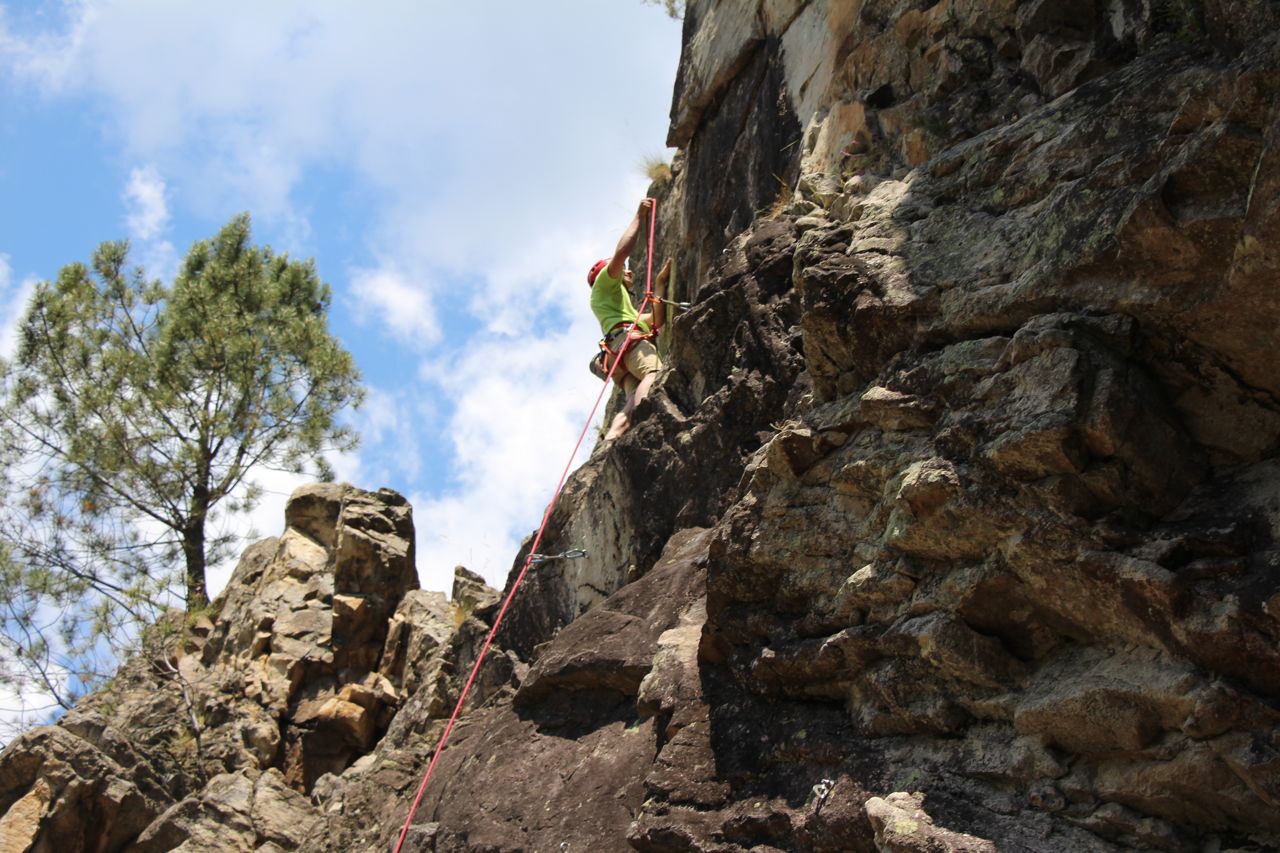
(134,413)
(1181,20)
(67,598)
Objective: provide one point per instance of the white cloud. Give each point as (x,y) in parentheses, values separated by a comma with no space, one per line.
(390,430)
(520,402)
(379,415)
(511,435)
(146,211)
(46,58)
(146,206)
(386,295)
(13,307)
(473,156)
(159,258)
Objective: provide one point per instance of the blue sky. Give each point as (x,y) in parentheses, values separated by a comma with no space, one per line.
(453,168)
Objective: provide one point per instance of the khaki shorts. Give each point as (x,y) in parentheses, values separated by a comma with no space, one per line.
(640,360)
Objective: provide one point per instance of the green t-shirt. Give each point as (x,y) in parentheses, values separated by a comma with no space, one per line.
(611,303)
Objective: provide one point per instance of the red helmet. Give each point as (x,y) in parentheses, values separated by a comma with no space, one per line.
(595,270)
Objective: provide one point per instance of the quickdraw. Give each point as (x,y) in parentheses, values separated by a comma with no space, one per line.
(683,306)
(572,554)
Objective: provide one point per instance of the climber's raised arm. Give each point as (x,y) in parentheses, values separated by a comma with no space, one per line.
(629,237)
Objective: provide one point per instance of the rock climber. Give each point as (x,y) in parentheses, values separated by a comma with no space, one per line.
(610,283)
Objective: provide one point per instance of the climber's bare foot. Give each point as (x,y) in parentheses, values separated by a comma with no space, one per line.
(621,423)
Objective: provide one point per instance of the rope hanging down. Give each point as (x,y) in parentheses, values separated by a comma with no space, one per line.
(529,560)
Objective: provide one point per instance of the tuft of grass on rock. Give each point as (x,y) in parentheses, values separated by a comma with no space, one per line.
(675,8)
(656,168)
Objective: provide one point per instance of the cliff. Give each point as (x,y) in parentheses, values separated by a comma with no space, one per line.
(952,525)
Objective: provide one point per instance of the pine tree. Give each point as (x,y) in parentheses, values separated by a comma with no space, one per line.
(133,410)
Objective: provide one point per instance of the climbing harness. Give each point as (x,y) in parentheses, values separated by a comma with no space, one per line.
(528,561)
(572,554)
(604,360)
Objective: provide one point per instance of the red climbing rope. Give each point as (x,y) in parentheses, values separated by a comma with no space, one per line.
(533,549)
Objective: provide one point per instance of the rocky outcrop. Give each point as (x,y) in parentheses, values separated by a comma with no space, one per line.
(307,620)
(234,811)
(216,734)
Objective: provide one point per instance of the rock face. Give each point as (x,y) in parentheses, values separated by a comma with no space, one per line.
(976,414)
(952,525)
